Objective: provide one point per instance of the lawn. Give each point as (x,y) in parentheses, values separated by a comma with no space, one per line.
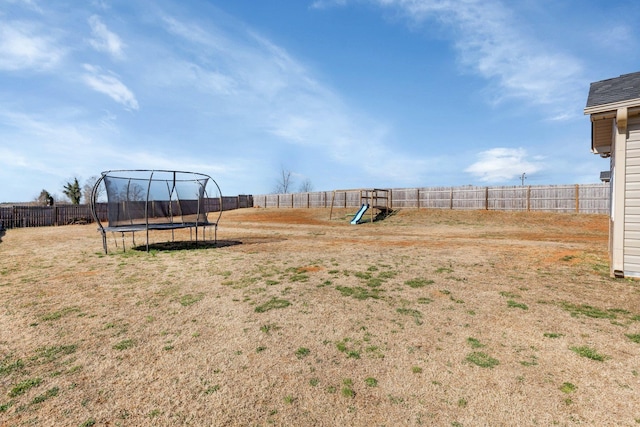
(429,317)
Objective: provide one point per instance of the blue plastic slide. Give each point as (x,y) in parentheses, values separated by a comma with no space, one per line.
(361,212)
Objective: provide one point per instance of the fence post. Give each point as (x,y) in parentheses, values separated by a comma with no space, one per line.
(417,197)
(486,198)
(451,199)
(528,198)
(577,198)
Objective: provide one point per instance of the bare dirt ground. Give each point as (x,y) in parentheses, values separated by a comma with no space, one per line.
(428,317)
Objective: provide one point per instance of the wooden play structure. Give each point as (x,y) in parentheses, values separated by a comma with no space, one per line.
(370,199)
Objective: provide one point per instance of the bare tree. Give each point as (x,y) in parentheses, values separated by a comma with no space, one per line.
(306,186)
(284,182)
(87,189)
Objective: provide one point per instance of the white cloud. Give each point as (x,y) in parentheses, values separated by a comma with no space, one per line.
(617,38)
(259,84)
(503,164)
(105,40)
(111,86)
(23,46)
(490,43)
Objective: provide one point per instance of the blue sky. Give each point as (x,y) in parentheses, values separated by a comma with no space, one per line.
(342,93)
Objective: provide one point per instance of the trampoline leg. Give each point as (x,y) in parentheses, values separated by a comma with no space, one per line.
(104,241)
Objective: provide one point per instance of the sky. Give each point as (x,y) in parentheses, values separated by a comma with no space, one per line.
(342,94)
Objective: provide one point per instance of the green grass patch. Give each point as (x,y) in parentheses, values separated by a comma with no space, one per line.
(302,352)
(269,327)
(347,388)
(362,275)
(482,359)
(351,351)
(374,282)
(568,388)
(509,294)
(417,315)
(586,310)
(124,345)
(51,353)
(618,311)
(384,275)
(418,283)
(5,406)
(589,353)
(634,337)
(358,292)
(212,389)
(474,342)
(9,365)
(59,314)
(514,304)
(552,335)
(371,382)
(298,277)
(272,304)
(23,386)
(533,361)
(187,300)
(52,392)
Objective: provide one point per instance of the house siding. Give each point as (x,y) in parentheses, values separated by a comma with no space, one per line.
(632,201)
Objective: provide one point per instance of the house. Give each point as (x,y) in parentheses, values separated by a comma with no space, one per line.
(614,107)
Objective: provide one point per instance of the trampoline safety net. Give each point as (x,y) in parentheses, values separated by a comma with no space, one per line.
(143,200)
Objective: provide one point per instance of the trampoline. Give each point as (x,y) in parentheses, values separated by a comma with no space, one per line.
(144,200)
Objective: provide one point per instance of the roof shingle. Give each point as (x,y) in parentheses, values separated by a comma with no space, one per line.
(617,89)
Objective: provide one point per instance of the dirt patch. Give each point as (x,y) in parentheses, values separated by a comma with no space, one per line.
(428,317)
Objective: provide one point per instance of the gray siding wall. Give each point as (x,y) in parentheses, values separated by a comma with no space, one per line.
(632,201)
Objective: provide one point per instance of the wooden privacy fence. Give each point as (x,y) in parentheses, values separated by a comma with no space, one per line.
(578,198)
(40,216)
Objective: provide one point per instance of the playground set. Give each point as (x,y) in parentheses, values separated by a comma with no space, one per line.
(371,200)
(144,200)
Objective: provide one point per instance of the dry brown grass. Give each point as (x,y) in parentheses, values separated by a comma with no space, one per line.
(205,337)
